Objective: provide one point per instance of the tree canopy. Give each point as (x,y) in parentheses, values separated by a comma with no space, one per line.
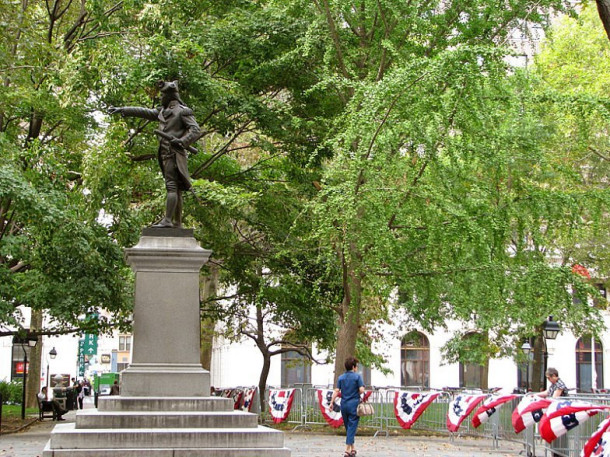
(357,158)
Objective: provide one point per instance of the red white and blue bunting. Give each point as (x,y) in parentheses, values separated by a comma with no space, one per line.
(599,443)
(460,408)
(280,402)
(331,414)
(563,415)
(408,406)
(528,412)
(489,407)
(248,398)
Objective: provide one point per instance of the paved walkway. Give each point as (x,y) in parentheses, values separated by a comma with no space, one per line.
(32,442)
(303,444)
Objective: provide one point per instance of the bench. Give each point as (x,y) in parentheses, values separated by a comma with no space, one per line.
(45,410)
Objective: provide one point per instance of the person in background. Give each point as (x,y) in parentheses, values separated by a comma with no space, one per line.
(351,385)
(114,390)
(80,394)
(55,406)
(557,388)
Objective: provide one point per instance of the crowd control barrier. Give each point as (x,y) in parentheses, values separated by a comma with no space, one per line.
(305,412)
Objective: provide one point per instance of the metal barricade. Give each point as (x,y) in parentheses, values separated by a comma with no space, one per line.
(297,411)
(313,413)
(306,411)
(571,444)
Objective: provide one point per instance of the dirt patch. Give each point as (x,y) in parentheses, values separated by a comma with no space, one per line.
(14,424)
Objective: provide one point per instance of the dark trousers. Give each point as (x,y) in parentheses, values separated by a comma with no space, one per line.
(350,419)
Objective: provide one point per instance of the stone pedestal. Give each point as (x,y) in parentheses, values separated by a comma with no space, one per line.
(166,319)
(164,409)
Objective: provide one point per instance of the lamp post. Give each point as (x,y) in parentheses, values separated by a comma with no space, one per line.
(527,349)
(23,341)
(550,330)
(52,355)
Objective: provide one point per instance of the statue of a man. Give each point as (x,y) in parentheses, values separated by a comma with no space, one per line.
(178,129)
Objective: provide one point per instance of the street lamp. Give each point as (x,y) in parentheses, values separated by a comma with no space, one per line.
(23,341)
(527,349)
(550,330)
(52,355)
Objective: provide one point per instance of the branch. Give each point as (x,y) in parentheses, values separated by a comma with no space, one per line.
(599,154)
(335,37)
(603,8)
(222,151)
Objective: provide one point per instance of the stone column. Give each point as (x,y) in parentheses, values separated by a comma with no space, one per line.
(166,328)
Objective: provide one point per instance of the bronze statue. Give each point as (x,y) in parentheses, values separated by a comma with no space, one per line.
(178,129)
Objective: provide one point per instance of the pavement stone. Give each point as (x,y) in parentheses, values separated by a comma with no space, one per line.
(31,442)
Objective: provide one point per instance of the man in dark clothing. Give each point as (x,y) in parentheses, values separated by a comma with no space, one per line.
(58,411)
(179,130)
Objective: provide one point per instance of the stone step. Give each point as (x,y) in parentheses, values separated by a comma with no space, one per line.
(120,403)
(67,436)
(92,418)
(156,452)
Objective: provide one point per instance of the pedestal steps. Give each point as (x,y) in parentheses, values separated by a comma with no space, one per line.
(123,403)
(235,452)
(67,436)
(153,419)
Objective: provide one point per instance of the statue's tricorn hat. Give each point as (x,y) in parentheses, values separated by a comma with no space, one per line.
(167,87)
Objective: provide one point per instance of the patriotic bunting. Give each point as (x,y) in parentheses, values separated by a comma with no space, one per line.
(563,415)
(529,411)
(460,408)
(599,443)
(489,407)
(332,415)
(248,398)
(408,406)
(280,402)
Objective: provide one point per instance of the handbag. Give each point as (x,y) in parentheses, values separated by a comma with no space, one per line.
(365,409)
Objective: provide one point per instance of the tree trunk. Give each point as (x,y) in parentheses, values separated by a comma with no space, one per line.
(34,362)
(262,381)
(538,365)
(349,320)
(209,286)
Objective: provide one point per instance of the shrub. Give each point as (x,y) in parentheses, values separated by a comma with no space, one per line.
(11,392)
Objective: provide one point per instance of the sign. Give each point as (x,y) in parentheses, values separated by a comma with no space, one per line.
(87,348)
(105,358)
(19,368)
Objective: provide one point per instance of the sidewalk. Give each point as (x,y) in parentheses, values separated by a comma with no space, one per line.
(31,443)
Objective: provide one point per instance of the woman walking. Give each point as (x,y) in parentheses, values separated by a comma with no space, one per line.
(351,385)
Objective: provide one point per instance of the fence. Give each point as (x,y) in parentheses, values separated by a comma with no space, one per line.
(305,412)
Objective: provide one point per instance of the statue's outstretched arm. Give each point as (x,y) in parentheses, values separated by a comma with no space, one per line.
(135,111)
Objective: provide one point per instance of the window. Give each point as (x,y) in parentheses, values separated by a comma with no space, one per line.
(474,375)
(121,366)
(415,360)
(18,366)
(584,369)
(296,369)
(365,372)
(125,343)
(603,302)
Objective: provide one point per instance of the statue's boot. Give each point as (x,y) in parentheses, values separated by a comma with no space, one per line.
(178,212)
(170,209)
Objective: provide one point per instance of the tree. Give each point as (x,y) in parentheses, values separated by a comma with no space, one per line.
(55,257)
(438,181)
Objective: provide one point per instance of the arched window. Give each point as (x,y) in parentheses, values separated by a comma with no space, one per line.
(474,375)
(584,369)
(415,360)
